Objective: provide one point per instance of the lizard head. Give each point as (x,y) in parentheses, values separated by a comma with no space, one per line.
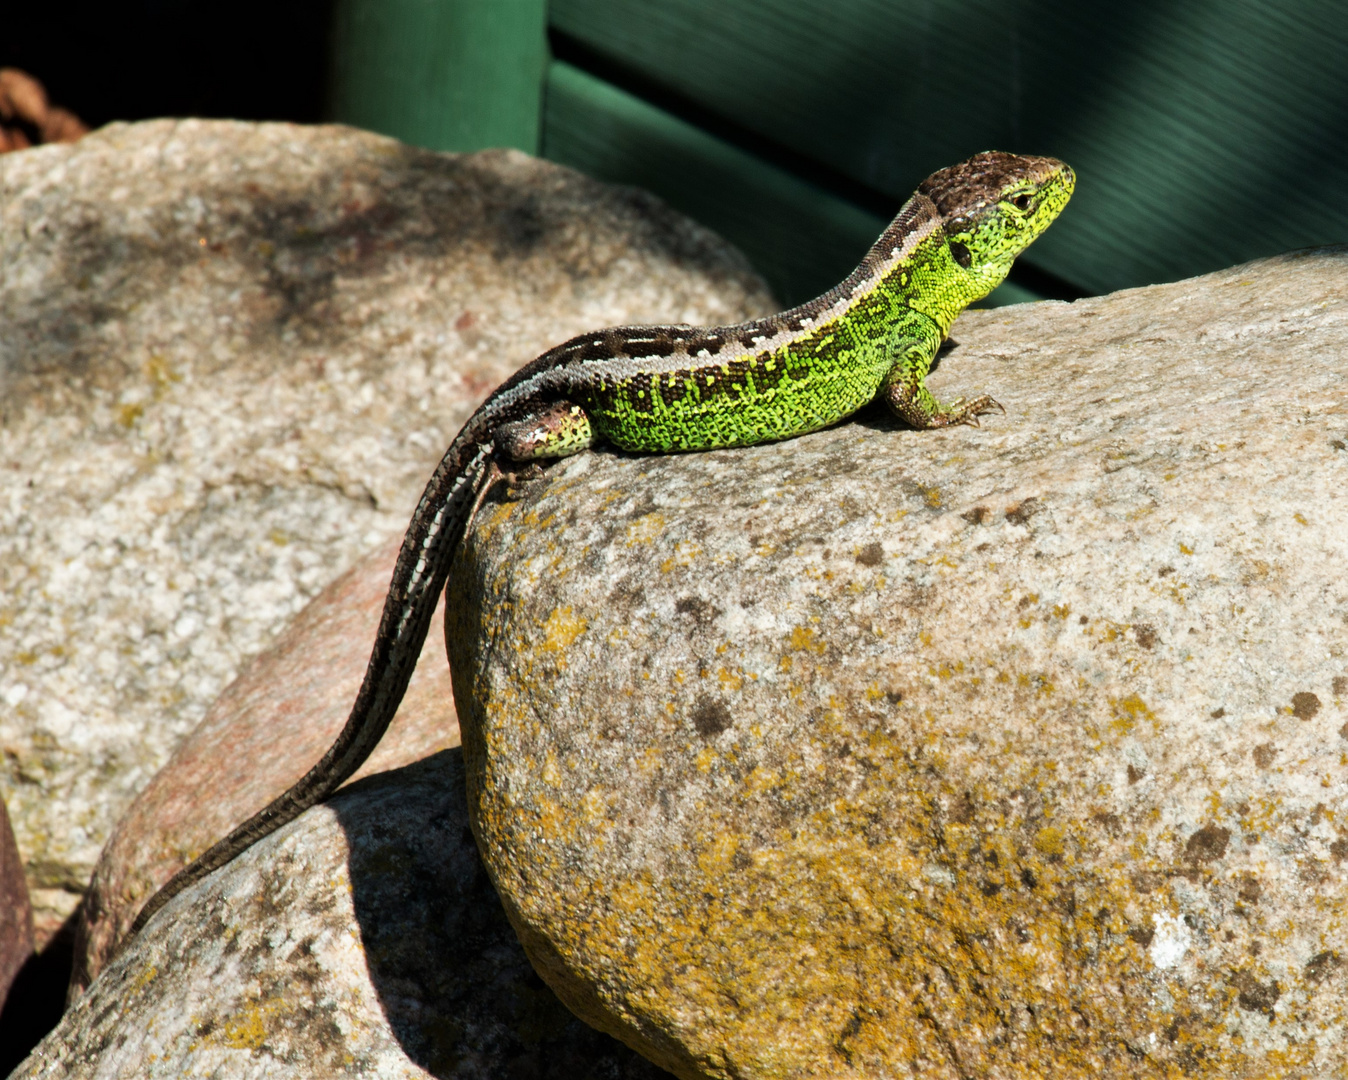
(993,207)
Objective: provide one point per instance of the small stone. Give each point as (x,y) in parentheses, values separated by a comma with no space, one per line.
(1255,996)
(1207,844)
(1145,634)
(1305,705)
(1323,964)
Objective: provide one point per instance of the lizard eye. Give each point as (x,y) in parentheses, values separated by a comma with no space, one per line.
(1022,202)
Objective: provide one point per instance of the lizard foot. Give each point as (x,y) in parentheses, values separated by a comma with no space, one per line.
(913,403)
(960,411)
(530,471)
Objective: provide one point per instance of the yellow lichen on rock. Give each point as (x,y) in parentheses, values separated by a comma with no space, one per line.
(1022,808)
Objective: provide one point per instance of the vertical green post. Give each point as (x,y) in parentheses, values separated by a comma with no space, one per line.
(443,74)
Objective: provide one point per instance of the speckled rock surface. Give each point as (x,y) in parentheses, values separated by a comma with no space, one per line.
(231,355)
(1012,752)
(260,736)
(362,940)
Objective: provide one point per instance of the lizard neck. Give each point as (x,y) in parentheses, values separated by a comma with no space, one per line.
(940,288)
(911,269)
(931,282)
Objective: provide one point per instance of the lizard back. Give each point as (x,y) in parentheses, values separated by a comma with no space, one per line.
(663,389)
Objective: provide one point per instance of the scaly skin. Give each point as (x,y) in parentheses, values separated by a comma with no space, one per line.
(660,389)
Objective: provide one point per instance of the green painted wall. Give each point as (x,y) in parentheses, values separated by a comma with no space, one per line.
(445,74)
(1204,132)
(783,223)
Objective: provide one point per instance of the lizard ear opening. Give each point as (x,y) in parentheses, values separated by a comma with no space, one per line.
(961,254)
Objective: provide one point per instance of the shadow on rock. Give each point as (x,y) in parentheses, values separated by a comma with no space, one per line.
(453,981)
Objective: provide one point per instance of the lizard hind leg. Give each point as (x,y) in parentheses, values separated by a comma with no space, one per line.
(559,430)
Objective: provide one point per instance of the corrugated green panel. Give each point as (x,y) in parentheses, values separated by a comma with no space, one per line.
(1204,133)
(802,239)
(445,74)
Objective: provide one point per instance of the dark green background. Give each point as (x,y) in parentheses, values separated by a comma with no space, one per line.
(1204,132)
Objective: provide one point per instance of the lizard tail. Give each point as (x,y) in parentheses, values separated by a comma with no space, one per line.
(447,506)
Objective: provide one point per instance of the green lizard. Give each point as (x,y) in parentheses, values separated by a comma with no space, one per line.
(659,389)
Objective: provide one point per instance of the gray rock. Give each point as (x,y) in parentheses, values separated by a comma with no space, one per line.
(261,735)
(1009,752)
(362,940)
(231,355)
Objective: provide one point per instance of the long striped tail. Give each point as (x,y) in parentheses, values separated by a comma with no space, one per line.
(444,514)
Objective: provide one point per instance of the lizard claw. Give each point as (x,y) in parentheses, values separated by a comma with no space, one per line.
(962,412)
(531,471)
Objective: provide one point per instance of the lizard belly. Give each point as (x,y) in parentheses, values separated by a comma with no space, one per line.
(743,401)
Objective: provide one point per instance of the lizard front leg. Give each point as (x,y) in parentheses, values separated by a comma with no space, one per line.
(905,389)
